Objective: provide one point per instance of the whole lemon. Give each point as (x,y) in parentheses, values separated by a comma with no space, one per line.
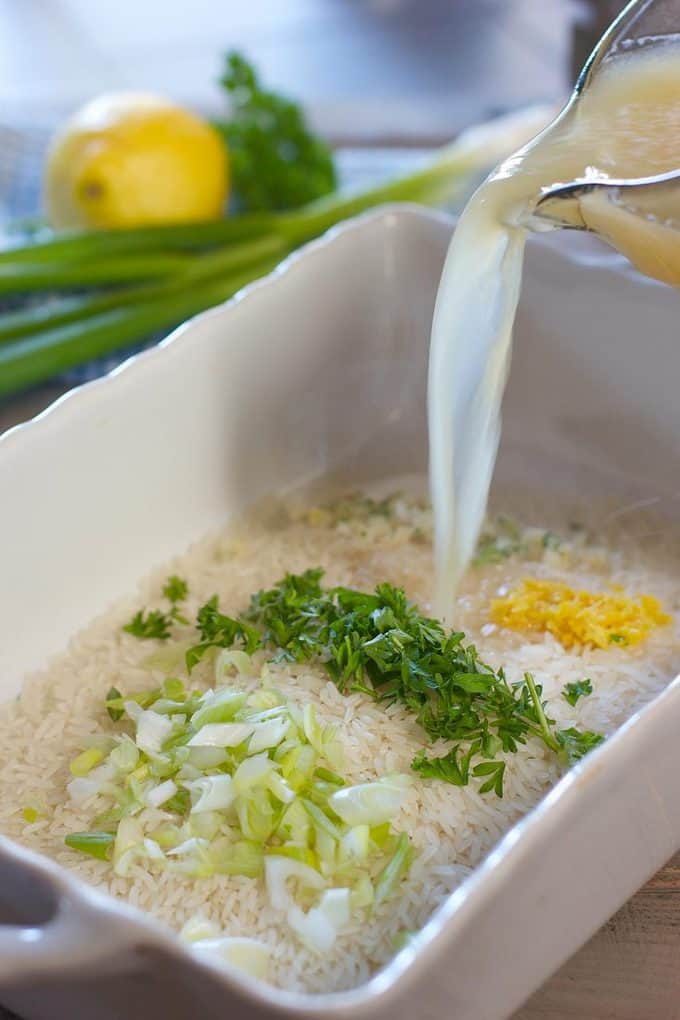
(129,159)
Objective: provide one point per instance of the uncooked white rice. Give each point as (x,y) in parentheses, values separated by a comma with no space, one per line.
(453,828)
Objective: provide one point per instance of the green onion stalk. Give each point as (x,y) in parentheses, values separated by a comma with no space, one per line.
(107,289)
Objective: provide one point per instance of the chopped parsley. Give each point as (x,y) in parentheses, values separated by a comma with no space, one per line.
(358,505)
(454,768)
(499,541)
(577,743)
(220,631)
(580,689)
(379,643)
(503,538)
(154,624)
(175,589)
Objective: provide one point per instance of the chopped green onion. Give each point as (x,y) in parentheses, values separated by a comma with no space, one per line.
(356,843)
(129,840)
(253,771)
(335,905)
(328,776)
(206,825)
(395,870)
(279,870)
(152,729)
(362,893)
(114,704)
(321,820)
(268,734)
(173,689)
(159,795)
(296,853)
(204,758)
(244,857)
(86,761)
(125,756)
(221,735)
(369,803)
(313,928)
(245,954)
(218,706)
(233,660)
(94,844)
(197,928)
(212,793)
(256,815)
(246,778)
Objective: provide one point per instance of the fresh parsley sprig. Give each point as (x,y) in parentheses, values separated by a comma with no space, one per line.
(220,631)
(175,589)
(276,161)
(454,767)
(148,625)
(580,689)
(154,624)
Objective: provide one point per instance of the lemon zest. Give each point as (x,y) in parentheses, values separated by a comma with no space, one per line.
(579,618)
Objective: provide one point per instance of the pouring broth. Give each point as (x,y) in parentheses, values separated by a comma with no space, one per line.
(626,124)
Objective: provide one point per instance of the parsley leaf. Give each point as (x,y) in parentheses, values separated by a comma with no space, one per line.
(456,770)
(580,689)
(575,744)
(154,623)
(148,625)
(491,550)
(175,589)
(220,631)
(275,160)
(494,771)
(447,767)
(500,540)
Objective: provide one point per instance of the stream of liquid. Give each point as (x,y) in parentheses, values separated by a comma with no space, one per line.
(626,124)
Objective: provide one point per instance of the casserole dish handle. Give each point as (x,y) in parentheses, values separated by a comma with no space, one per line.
(58,926)
(76,936)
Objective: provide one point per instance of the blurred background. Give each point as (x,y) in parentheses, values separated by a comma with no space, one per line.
(370,73)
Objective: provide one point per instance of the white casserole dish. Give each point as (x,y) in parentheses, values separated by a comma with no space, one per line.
(321,368)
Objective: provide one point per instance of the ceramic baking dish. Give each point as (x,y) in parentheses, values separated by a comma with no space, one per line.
(319,369)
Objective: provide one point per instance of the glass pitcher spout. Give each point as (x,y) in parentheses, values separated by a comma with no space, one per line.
(656,197)
(639,217)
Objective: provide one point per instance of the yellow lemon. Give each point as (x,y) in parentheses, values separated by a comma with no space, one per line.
(129,159)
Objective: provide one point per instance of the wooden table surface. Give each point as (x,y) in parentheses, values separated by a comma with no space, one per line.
(373,71)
